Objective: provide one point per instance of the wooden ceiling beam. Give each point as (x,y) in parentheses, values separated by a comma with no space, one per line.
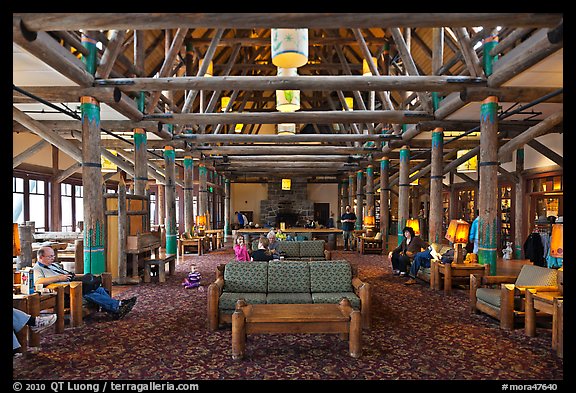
(142,21)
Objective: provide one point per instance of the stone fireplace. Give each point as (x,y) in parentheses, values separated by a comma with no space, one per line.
(289,206)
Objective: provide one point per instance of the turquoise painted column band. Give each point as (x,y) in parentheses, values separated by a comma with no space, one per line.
(90,59)
(404,155)
(169,154)
(487,60)
(94,258)
(488,112)
(140,139)
(188,163)
(437,138)
(90,113)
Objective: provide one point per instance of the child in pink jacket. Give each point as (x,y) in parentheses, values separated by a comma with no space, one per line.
(240,249)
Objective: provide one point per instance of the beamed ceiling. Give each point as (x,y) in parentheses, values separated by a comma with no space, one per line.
(428,73)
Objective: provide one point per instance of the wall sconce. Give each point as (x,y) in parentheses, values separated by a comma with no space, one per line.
(366,68)
(286,129)
(224,102)
(350,102)
(238,128)
(469,166)
(286,184)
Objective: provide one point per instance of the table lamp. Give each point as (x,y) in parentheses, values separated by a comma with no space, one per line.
(369,224)
(415,225)
(201,224)
(457,233)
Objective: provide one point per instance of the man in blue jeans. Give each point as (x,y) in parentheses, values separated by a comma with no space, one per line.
(421,259)
(46,271)
(348,220)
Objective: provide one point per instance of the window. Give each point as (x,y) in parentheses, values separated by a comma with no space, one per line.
(38,204)
(18,200)
(79,205)
(153,209)
(66,198)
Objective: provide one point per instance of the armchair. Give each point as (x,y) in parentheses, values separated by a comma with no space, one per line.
(502,297)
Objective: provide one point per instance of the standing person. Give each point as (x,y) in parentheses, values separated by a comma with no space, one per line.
(473,237)
(46,271)
(240,250)
(37,324)
(262,253)
(240,218)
(403,254)
(348,220)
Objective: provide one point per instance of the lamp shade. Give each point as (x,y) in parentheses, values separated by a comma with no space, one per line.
(370,221)
(15,240)
(289,47)
(201,221)
(458,232)
(287,100)
(415,225)
(286,129)
(224,103)
(366,68)
(469,166)
(107,165)
(557,241)
(209,70)
(350,103)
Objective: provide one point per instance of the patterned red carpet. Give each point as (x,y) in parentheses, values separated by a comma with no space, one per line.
(417,334)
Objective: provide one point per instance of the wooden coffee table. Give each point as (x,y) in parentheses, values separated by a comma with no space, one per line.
(296,318)
(541,303)
(451,271)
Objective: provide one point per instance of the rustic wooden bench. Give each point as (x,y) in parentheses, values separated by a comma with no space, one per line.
(161,263)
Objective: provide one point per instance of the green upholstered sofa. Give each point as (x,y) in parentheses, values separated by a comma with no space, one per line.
(305,250)
(285,282)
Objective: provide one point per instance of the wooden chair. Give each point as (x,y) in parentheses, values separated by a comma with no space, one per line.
(369,245)
(502,297)
(196,242)
(78,309)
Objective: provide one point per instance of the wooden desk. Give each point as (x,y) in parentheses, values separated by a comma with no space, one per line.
(545,304)
(34,303)
(296,318)
(446,273)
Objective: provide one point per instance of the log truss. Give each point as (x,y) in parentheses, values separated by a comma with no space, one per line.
(415,86)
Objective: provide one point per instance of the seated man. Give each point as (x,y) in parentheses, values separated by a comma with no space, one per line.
(421,259)
(46,271)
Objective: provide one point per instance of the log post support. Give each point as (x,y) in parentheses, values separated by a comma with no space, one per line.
(170,188)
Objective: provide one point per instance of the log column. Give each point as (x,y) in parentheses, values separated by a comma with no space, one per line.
(370,190)
(188,194)
(202,191)
(227,220)
(170,188)
(384,198)
(140,161)
(359,200)
(519,206)
(345,199)
(403,191)
(351,191)
(94,236)
(488,185)
(436,176)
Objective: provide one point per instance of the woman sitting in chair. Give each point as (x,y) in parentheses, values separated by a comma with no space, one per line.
(402,255)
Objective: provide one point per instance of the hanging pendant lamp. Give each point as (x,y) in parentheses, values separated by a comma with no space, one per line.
(289,47)
(287,100)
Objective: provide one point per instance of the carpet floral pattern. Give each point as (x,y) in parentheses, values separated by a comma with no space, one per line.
(417,334)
